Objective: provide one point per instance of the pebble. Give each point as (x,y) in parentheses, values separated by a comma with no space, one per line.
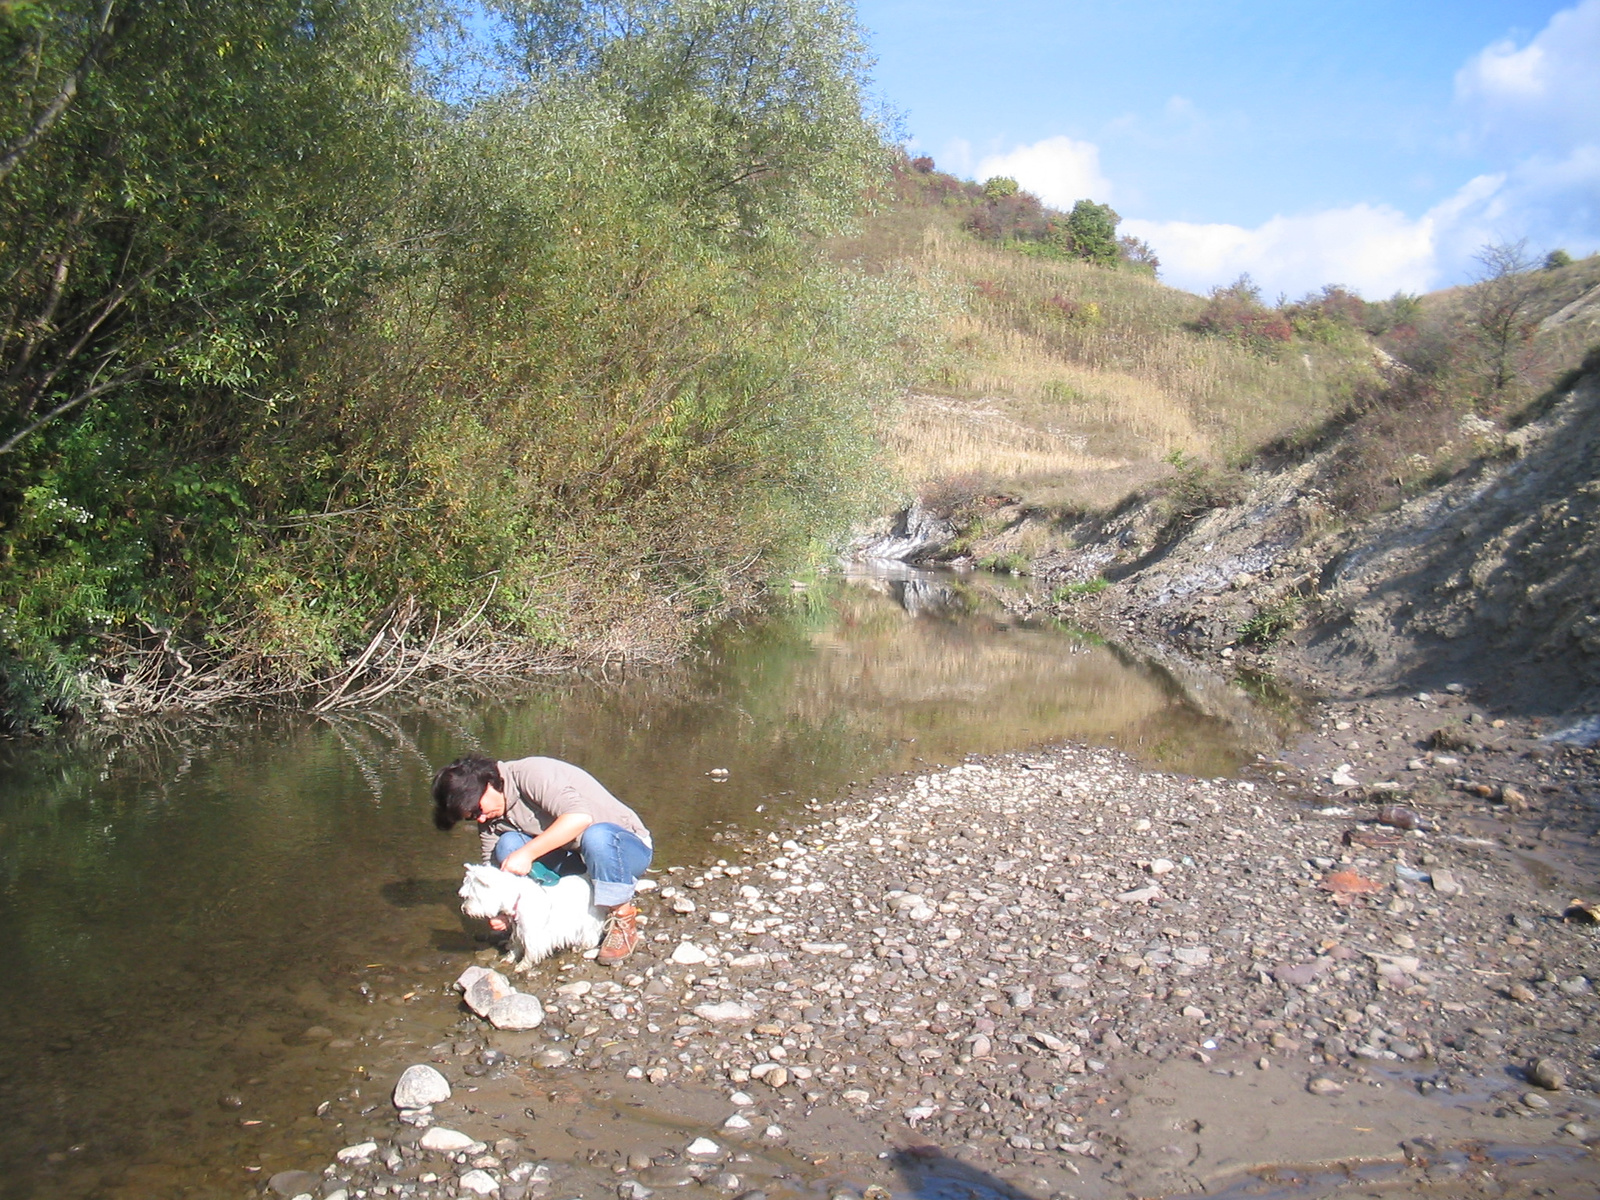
(703,1147)
(724,1012)
(1321,1085)
(479,1183)
(689,955)
(1547,1073)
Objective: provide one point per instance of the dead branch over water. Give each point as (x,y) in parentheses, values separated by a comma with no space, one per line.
(150,672)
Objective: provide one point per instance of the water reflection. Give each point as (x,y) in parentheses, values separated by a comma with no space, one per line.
(178,906)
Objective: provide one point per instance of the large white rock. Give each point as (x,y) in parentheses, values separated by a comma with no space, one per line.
(446,1141)
(689,955)
(516,1012)
(471,976)
(479,1183)
(420,1086)
(359,1153)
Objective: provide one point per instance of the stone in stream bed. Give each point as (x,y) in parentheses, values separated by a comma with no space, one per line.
(294,1183)
(516,1012)
(419,1086)
(1547,1073)
(448,1141)
(486,990)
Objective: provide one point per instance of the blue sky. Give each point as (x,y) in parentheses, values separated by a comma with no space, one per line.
(1372,144)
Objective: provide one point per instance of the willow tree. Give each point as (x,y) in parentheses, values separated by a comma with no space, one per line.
(181,184)
(308,321)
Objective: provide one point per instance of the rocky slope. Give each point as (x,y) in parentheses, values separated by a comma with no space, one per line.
(1491,579)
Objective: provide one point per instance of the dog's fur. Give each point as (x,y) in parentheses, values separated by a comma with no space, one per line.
(543,919)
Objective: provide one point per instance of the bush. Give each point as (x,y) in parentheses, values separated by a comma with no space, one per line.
(1067,592)
(1271,622)
(1236,312)
(1196,487)
(555,345)
(1327,316)
(1090,233)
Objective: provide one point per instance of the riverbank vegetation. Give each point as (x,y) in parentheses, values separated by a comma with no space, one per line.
(351,341)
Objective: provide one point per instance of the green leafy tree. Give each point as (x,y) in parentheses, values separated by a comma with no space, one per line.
(1091,232)
(314,328)
(998,187)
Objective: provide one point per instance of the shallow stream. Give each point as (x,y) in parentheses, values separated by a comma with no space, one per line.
(208,929)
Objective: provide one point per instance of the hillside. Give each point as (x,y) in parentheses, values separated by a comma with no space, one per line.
(1064,383)
(1363,504)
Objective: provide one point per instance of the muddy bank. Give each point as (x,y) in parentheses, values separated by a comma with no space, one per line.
(1059,974)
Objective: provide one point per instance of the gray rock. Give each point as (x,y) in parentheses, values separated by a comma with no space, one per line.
(518,1011)
(485,990)
(1547,1073)
(419,1086)
(294,1183)
(1321,1085)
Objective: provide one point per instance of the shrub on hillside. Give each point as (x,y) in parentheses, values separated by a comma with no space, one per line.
(1328,315)
(1236,312)
(1138,255)
(1090,233)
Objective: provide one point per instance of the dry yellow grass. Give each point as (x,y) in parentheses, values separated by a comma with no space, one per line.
(1053,371)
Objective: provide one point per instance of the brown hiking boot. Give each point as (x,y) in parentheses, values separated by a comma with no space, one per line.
(622,935)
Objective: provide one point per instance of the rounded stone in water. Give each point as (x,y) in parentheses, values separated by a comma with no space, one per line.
(419,1086)
(516,1012)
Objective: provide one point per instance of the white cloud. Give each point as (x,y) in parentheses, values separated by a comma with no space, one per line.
(1375,250)
(1535,108)
(1545,94)
(1058,170)
(1534,111)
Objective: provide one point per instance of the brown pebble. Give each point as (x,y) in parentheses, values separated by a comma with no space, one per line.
(1399,817)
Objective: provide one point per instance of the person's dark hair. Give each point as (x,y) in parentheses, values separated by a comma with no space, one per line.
(458,789)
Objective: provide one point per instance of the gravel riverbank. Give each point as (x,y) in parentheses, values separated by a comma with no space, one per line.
(1063,974)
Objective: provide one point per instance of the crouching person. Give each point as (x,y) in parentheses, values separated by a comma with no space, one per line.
(545,811)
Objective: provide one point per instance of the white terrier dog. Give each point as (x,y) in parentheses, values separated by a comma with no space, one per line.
(543,918)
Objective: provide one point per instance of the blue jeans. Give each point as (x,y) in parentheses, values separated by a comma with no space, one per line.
(613,857)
